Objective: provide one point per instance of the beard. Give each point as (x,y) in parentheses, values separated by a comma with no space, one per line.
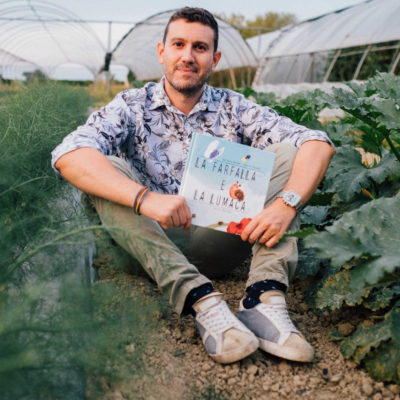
(192,86)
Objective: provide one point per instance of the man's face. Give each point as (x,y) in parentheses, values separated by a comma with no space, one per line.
(188,56)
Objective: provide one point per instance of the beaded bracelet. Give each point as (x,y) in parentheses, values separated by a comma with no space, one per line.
(138,198)
(145,193)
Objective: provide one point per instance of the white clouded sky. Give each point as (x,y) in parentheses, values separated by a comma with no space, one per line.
(135,11)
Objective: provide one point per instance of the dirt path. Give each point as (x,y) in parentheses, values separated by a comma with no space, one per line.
(175,365)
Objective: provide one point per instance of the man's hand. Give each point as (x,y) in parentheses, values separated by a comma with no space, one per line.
(91,172)
(310,164)
(170,211)
(270,224)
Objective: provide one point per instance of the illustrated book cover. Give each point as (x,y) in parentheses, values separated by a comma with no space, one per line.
(225,183)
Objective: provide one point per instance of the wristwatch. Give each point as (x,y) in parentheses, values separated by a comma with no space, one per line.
(292,199)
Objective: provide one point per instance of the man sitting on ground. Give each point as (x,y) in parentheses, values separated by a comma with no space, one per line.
(150,130)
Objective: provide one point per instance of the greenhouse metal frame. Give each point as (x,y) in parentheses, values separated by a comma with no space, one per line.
(309,51)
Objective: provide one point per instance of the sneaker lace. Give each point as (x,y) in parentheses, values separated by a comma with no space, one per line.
(218,319)
(279,315)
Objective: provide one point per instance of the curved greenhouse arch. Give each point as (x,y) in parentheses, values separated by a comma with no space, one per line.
(48,35)
(312,50)
(137,49)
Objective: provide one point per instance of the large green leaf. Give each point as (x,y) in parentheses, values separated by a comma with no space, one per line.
(336,291)
(388,114)
(320,199)
(347,100)
(302,107)
(347,176)
(371,139)
(384,363)
(314,215)
(371,234)
(360,89)
(387,86)
(365,338)
(376,104)
(308,264)
(378,346)
(382,297)
(340,133)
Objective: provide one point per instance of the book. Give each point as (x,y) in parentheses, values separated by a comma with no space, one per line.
(225,183)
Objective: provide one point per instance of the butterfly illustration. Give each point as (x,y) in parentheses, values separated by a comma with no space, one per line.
(212,152)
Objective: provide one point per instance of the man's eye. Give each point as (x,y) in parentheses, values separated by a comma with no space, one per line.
(178,44)
(201,47)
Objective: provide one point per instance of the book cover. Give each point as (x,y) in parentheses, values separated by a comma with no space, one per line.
(225,183)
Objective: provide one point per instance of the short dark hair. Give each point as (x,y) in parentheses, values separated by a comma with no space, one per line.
(195,14)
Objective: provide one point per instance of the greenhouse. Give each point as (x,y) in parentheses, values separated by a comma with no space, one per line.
(352,43)
(137,49)
(48,38)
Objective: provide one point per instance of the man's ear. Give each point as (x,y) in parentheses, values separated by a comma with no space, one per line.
(216,57)
(160,52)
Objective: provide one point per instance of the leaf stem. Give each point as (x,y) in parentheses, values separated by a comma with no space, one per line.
(22,184)
(51,243)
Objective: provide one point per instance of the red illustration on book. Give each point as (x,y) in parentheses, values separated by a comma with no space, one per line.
(235,192)
(237,228)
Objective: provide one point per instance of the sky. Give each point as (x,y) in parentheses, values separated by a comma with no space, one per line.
(136,11)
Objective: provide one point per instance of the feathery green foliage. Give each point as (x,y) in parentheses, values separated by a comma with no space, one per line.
(56,328)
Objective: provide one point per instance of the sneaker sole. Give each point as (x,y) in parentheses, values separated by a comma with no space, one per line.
(282,352)
(237,354)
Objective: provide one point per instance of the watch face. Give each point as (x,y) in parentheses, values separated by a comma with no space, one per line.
(291,197)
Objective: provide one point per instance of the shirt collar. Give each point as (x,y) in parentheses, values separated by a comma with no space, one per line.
(161,99)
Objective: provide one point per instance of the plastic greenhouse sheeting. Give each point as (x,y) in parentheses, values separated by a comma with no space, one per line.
(291,48)
(12,66)
(41,35)
(137,50)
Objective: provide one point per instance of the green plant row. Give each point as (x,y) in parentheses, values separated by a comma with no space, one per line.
(56,328)
(352,222)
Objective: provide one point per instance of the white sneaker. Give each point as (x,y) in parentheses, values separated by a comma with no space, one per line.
(270,322)
(225,338)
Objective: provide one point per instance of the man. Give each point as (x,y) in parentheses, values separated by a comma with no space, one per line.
(150,129)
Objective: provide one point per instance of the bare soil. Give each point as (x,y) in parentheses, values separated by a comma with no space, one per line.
(175,365)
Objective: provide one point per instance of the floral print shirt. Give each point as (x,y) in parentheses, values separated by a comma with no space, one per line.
(142,126)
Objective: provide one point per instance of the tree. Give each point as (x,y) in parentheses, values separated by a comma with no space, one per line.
(270,21)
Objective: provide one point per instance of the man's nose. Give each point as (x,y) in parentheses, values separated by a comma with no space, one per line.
(187,54)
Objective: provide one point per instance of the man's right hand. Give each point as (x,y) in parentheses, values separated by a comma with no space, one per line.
(91,172)
(170,211)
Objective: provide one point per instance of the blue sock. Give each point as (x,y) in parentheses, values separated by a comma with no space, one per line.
(254,291)
(195,295)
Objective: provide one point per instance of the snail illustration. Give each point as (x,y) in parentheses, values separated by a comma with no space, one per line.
(235,192)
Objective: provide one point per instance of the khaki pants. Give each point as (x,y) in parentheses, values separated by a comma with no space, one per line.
(178,261)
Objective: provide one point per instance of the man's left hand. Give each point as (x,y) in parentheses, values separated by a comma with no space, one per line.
(270,224)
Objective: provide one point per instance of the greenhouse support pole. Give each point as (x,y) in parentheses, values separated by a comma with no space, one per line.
(107,72)
(361,62)
(233,78)
(396,59)
(248,76)
(311,70)
(331,65)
